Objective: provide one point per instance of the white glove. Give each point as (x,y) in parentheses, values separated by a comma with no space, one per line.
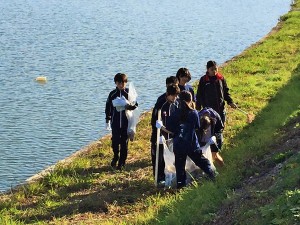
(162,140)
(108,126)
(212,140)
(159,124)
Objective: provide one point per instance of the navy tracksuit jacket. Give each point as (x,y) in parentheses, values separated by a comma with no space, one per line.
(119,125)
(167,109)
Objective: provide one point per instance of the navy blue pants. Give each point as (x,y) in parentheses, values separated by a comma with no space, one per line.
(200,161)
(120,145)
(161,161)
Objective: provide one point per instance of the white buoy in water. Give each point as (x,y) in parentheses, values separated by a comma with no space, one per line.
(41,79)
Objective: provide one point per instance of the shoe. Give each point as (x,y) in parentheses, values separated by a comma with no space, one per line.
(113,163)
(161,184)
(180,185)
(120,167)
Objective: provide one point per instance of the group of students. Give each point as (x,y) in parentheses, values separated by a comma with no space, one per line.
(189,120)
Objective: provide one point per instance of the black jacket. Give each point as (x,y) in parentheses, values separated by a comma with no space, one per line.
(167,109)
(213,92)
(118,119)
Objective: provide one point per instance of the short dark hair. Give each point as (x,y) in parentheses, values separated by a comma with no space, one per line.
(205,121)
(120,77)
(173,89)
(186,99)
(185,96)
(183,72)
(211,63)
(171,80)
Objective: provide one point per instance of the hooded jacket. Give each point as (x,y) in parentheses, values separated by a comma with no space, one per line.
(213,92)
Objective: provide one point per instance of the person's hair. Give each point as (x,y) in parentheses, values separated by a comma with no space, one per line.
(183,72)
(186,104)
(171,80)
(173,89)
(211,64)
(205,121)
(120,77)
(186,97)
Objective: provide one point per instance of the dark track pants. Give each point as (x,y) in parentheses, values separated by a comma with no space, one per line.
(161,161)
(120,145)
(200,161)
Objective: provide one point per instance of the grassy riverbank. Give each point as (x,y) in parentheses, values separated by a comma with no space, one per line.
(259,184)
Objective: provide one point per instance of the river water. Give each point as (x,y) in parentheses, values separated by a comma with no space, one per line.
(79,45)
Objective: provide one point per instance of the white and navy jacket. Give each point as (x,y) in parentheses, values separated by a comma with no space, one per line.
(118,119)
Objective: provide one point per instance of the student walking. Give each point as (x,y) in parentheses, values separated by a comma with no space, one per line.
(117,121)
(184,76)
(213,91)
(183,123)
(167,104)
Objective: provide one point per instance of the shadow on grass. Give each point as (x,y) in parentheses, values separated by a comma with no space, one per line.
(118,189)
(97,201)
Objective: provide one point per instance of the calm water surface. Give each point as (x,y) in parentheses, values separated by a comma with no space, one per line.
(79,45)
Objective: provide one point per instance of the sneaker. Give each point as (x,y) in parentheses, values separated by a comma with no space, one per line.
(113,163)
(161,184)
(120,167)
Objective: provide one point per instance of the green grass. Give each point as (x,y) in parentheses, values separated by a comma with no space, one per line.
(264,80)
(281,200)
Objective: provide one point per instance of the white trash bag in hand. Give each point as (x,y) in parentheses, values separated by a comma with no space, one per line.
(169,158)
(206,150)
(132,94)
(133,116)
(108,125)
(120,103)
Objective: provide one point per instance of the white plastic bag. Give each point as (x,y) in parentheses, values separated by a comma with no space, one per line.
(169,157)
(120,103)
(132,94)
(206,151)
(132,115)
(190,166)
(133,118)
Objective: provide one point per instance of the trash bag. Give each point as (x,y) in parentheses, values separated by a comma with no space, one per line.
(170,170)
(169,157)
(133,118)
(120,103)
(206,151)
(132,115)
(190,166)
(132,94)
